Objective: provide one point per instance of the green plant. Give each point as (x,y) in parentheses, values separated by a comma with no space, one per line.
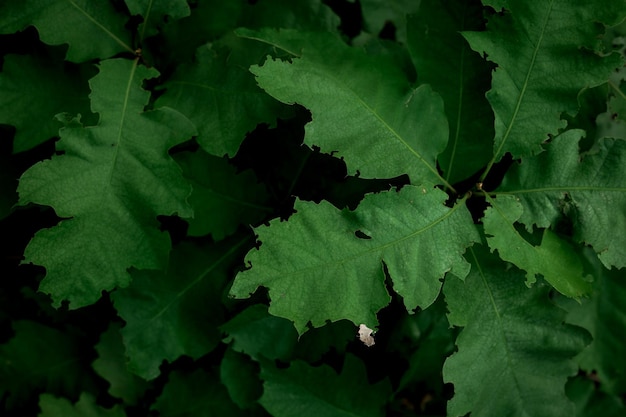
(214,196)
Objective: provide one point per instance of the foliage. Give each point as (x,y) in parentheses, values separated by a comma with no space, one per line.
(202,201)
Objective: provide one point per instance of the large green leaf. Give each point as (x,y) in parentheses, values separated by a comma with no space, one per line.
(39,358)
(85,407)
(443,59)
(109,183)
(155,12)
(306,391)
(543,63)
(219,95)
(93,29)
(554,258)
(362,106)
(38,87)
(322,255)
(174,313)
(589,189)
(514,352)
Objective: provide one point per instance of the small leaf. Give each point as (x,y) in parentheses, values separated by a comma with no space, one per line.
(154,13)
(554,258)
(85,407)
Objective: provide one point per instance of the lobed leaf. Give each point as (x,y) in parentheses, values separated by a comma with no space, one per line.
(554,258)
(590,190)
(322,255)
(362,106)
(514,353)
(92,29)
(551,62)
(109,183)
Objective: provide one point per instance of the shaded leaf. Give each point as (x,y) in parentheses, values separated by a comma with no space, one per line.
(591,401)
(40,87)
(222,199)
(219,95)
(550,65)
(382,132)
(562,182)
(554,258)
(154,13)
(379,13)
(261,335)
(93,29)
(240,375)
(174,313)
(85,407)
(39,358)
(435,44)
(198,393)
(304,390)
(111,365)
(322,255)
(514,352)
(109,184)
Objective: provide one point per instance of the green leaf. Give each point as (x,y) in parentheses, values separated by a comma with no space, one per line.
(362,106)
(93,29)
(222,199)
(174,313)
(604,315)
(303,390)
(550,64)
(590,190)
(39,87)
(240,374)
(591,401)
(85,407)
(154,13)
(443,59)
(317,257)
(514,352)
(39,358)
(260,335)
(198,393)
(379,13)
(111,365)
(554,258)
(109,184)
(219,95)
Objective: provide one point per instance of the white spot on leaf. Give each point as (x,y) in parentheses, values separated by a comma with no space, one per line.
(365,335)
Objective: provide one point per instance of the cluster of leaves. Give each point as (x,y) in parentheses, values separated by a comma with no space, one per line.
(201,201)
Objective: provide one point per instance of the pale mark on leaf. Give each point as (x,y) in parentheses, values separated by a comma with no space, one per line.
(365,335)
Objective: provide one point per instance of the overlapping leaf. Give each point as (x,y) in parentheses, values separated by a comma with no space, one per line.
(33,86)
(541,77)
(514,353)
(220,96)
(379,13)
(93,29)
(111,365)
(308,391)
(604,315)
(222,199)
(591,192)
(109,184)
(554,258)
(444,60)
(175,313)
(322,255)
(362,106)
